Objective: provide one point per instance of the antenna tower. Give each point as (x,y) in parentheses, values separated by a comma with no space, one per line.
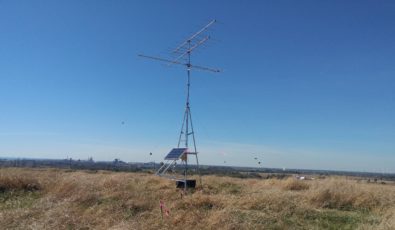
(183,57)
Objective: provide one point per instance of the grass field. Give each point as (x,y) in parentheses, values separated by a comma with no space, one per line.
(65,199)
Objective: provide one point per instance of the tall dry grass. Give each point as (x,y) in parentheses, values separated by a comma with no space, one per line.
(13,180)
(105,200)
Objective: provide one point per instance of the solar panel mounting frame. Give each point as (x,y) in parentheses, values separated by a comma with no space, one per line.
(176,153)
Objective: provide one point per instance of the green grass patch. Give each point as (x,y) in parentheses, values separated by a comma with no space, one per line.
(337,219)
(18,199)
(304,219)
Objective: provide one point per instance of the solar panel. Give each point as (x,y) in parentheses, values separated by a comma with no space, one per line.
(175,153)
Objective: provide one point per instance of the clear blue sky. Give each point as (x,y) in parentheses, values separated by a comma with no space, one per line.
(306,84)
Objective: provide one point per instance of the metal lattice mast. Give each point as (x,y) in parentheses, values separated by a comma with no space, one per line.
(185,50)
(187,121)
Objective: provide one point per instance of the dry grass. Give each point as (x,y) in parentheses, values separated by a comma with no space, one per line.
(18,181)
(295,185)
(59,199)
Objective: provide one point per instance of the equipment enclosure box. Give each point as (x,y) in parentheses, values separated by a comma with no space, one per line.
(190,184)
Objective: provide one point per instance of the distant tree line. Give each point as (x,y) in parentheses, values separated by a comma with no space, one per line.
(239,172)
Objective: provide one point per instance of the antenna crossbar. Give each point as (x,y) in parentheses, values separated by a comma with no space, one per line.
(180,63)
(161,59)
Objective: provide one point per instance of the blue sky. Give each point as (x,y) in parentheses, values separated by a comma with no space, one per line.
(306,84)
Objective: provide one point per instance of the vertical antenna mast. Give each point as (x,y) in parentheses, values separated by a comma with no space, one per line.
(185,49)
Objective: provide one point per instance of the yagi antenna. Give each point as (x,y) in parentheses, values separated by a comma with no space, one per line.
(194,35)
(182,151)
(186,48)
